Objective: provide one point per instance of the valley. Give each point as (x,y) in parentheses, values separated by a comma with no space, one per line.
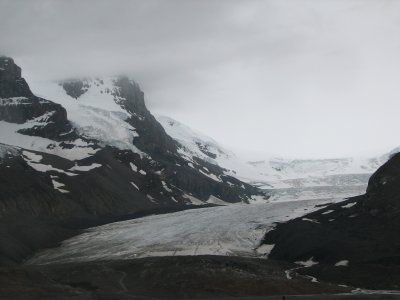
(98,194)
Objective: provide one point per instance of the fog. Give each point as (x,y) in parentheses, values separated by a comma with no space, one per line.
(300,78)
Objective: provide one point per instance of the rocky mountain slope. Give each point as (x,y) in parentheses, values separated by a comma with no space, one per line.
(94,151)
(284,179)
(354,242)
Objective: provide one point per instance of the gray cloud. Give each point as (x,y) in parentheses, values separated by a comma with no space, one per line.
(300,78)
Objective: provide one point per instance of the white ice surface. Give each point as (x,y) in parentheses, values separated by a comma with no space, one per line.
(226,230)
(33,160)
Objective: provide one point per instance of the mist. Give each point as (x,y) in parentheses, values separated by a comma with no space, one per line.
(299,79)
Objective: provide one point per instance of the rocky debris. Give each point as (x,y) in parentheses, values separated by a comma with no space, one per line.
(363,231)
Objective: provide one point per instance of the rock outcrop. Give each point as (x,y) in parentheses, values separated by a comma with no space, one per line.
(19,105)
(356,241)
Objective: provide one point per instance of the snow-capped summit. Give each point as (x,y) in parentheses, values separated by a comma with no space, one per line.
(93,148)
(194,143)
(94,106)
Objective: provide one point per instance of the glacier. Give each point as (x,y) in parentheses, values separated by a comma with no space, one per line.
(235,229)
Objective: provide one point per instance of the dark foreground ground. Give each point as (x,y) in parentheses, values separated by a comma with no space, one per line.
(185,277)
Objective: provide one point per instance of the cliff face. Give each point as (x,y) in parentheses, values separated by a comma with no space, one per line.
(19,105)
(11,82)
(152,137)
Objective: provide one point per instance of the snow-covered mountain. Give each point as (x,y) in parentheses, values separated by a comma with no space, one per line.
(94,148)
(194,143)
(286,179)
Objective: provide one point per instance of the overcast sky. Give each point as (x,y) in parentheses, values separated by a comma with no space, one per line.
(300,78)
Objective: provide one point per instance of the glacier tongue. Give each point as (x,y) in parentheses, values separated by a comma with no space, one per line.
(235,229)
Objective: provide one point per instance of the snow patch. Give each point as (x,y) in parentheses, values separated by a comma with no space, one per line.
(307,263)
(133,167)
(215,200)
(85,168)
(47,168)
(265,249)
(58,186)
(349,205)
(165,186)
(10,136)
(212,176)
(135,185)
(151,198)
(342,263)
(33,157)
(310,220)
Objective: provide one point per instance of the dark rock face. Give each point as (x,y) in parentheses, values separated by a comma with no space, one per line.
(11,82)
(19,105)
(152,137)
(74,88)
(362,230)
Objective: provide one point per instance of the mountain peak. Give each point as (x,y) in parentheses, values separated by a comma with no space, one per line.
(11,82)
(8,69)
(119,89)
